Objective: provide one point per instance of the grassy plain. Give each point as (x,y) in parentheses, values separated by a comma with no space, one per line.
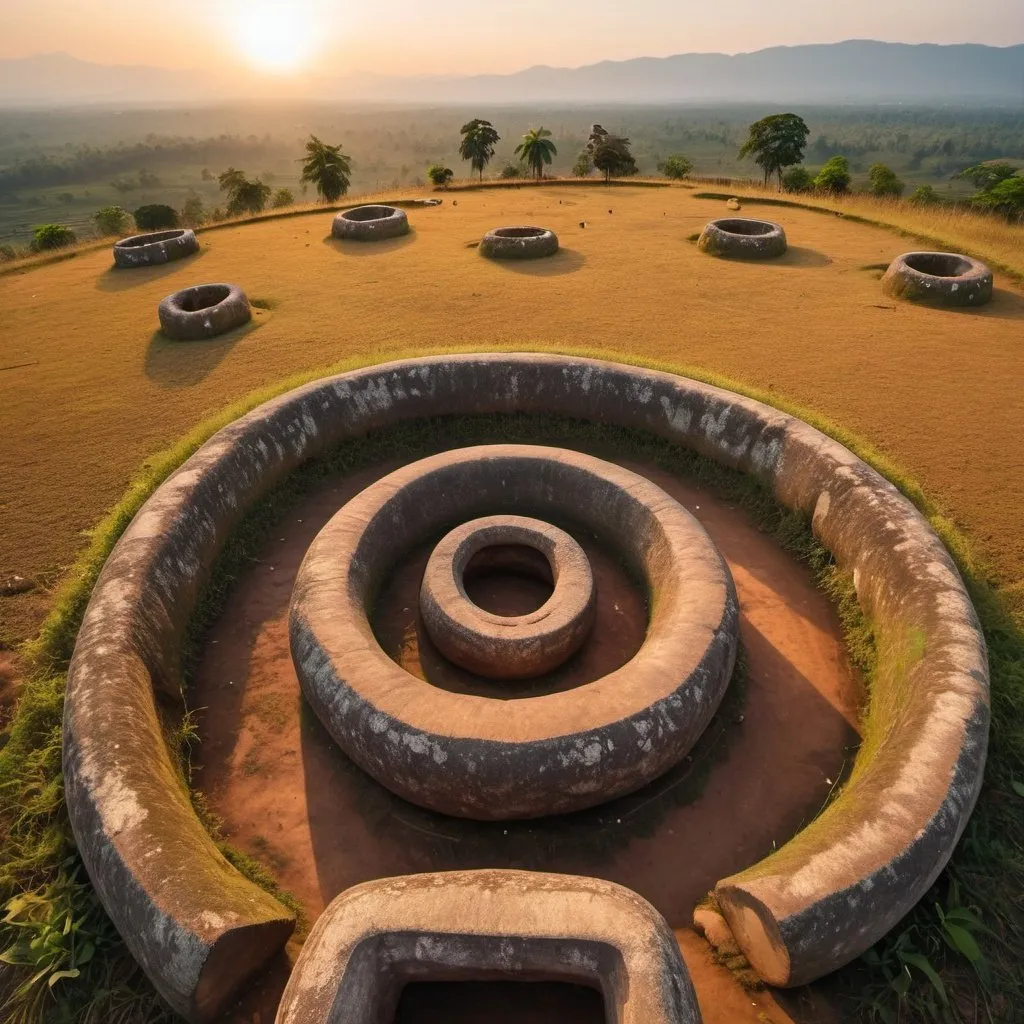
(91,389)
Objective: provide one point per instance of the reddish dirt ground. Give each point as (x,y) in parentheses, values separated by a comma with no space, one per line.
(764,767)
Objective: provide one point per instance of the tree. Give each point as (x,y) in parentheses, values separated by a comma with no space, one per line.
(676,167)
(155,217)
(583,166)
(613,158)
(986,176)
(193,213)
(282,197)
(834,177)
(328,168)
(52,236)
(478,141)
(596,137)
(1005,197)
(111,220)
(797,179)
(776,142)
(244,196)
(925,195)
(536,150)
(439,175)
(884,182)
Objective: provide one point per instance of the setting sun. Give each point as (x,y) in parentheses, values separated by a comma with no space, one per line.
(275,37)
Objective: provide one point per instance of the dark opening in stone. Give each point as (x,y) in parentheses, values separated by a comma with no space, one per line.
(519,232)
(369,213)
(500,1002)
(938,264)
(508,579)
(137,241)
(203,297)
(745,227)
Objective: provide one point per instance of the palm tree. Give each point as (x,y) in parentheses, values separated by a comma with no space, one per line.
(478,141)
(326,167)
(537,149)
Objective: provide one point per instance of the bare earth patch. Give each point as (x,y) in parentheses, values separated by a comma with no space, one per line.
(936,389)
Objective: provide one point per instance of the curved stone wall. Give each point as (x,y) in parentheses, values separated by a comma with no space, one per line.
(203,311)
(155,248)
(938,278)
(467,755)
(198,928)
(485,925)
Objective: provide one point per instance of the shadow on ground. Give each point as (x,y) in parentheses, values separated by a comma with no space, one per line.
(799,256)
(183,364)
(565,261)
(119,279)
(381,248)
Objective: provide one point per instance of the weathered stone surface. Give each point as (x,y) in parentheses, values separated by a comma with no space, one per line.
(471,756)
(519,243)
(370,224)
(155,248)
(502,646)
(486,926)
(938,278)
(203,311)
(826,896)
(743,239)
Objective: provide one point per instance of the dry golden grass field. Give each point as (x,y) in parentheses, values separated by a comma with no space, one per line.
(88,389)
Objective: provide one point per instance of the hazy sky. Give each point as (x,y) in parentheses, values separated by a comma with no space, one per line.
(471,36)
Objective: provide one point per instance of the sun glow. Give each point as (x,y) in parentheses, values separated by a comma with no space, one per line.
(275,37)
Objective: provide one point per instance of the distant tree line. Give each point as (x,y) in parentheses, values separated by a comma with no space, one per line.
(88,164)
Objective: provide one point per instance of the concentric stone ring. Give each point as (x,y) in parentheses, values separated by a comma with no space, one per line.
(478,757)
(203,311)
(504,646)
(155,248)
(519,243)
(370,224)
(941,278)
(743,238)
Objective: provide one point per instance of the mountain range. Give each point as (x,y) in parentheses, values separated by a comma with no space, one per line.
(855,71)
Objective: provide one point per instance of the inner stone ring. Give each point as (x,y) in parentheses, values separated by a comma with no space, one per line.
(508,646)
(476,757)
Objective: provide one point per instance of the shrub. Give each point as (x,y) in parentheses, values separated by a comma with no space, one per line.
(583,166)
(147,179)
(123,185)
(67,198)
(52,236)
(8,252)
(986,176)
(216,214)
(1006,197)
(884,182)
(111,220)
(244,196)
(282,197)
(676,167)
(440,175)
(834,177)
(925,195)
(510,171)
(797,179)
(155,217)
(193,212)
